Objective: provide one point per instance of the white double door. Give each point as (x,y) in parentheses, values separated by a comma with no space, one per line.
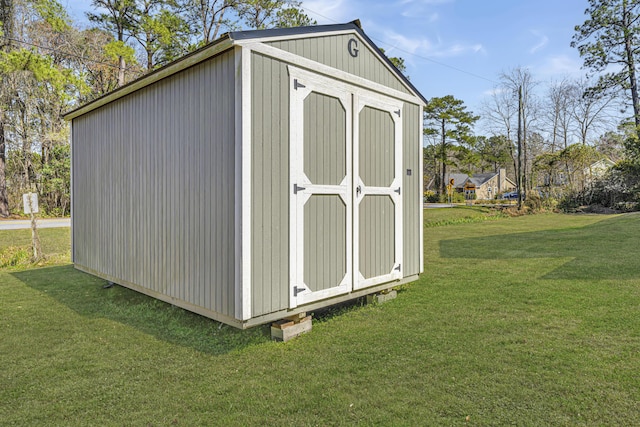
(346,193)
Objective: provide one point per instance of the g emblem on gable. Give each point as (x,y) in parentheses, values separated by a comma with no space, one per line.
(352,47)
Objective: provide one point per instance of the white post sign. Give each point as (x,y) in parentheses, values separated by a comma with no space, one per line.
(30,202)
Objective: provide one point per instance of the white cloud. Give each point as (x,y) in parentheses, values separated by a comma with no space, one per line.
(420,9)
(543,40)
(456,49)
(406,44)
(329,11)
(560,65)
(425,47)
(494,91)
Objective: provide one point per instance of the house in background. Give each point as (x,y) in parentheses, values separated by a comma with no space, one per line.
(577,177)
(458,180)
(482,186)
(598,169)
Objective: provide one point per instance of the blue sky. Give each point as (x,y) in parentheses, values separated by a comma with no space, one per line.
(458,47)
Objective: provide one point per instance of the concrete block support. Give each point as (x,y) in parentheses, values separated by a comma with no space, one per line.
(382,297)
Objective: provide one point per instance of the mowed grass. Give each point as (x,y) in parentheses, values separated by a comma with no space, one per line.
(521,321)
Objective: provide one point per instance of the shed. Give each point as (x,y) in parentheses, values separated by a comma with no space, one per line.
(270,173)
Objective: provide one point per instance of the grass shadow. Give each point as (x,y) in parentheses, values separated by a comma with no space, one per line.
(603,250)
(86,295)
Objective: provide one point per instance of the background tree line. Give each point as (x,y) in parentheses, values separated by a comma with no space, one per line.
(562,132)
(49,64)
(564,127)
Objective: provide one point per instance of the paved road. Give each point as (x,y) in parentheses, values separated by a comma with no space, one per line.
(17,224)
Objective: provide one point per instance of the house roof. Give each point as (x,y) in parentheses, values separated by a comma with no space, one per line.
(603,163)
(510,181)
(480,178)
(458,179)
(227,41)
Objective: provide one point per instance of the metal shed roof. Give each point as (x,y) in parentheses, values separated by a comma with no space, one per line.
(227,41)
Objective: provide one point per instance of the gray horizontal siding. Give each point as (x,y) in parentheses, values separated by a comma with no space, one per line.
(332,51)
(153,187)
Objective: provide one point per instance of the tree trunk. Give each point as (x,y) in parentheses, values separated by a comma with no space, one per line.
(121,67)
(4,200)
(628,44)
(444,160)
(519,175)
(149,51)
(525,153)
(6,16)
(219,22)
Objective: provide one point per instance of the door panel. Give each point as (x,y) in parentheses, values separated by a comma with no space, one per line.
(325,242)
(325,139)
(377,236)
(376,151)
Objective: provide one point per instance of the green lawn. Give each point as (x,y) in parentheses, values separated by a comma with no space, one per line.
(521,321)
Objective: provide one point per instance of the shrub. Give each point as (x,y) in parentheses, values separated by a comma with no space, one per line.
(430,197)
(534,202)
(455,198)
(619,190)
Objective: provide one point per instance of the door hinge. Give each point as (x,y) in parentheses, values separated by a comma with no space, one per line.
(398,268)
(296,188)
(397,112)
(298,289)
(397,190)
(297,84)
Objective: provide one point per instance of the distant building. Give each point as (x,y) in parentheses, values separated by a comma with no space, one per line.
(598,169)
(579,177)
(482,186)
